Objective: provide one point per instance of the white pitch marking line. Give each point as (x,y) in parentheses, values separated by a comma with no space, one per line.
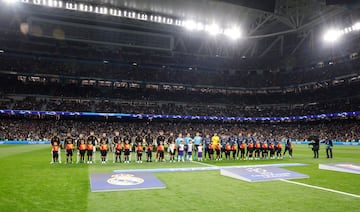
(205,164)
(321,188)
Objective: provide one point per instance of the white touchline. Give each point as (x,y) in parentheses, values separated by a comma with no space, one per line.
(205,164)
(321,188)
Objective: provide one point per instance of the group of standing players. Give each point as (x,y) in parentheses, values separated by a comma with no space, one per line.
(182,148)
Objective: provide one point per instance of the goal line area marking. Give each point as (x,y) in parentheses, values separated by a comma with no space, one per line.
(321,188)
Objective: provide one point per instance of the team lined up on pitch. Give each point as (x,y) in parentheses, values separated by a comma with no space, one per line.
(180,149)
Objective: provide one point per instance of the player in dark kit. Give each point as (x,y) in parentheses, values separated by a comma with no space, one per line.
(211,151)
(218,151)
(278,149)
(90,149)
(257,150)
(82,149)
(227,151)
(159,140)
(138,140)
(207,141)
(250,150)
(149,149)
(80,141)
(149,138)
(233,150)
(272,150)
(69,147)
(104,147)
(264,150)
(242,148)
(104,140)
(127,148)
(118,150)
(93,140)
(55,144)
(139,150)
(116,142)
(160,152)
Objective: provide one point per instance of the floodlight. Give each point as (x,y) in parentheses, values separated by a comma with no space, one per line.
(233,33)
(332,35)
(200,26)
(81,7)
(356,26)
(213,29)
(190,25)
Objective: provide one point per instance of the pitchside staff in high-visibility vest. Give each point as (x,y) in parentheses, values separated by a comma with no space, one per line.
(55,148)
(69,147)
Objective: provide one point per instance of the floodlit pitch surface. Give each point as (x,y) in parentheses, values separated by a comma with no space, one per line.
(30,183)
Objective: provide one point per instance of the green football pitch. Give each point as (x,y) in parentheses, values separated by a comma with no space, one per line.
(30,183)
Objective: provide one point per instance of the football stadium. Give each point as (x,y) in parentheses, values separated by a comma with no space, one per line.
(179,105)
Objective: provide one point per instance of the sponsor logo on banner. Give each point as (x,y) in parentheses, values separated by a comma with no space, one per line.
(257,174)
(125,179)
(264,173)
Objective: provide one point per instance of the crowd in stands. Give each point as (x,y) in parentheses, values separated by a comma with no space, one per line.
(173,74)
(346,129)
(176,108)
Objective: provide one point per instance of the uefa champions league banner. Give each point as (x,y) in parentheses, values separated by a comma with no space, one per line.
(294,142)
(24,142)
(334,143)
(154,116)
